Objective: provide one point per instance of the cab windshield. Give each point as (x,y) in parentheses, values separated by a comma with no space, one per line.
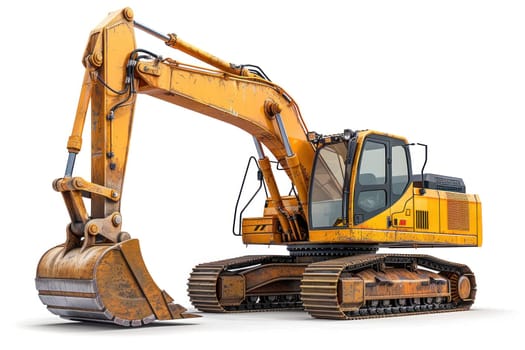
(326,196)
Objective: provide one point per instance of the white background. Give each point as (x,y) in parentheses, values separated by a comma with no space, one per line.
(446,73)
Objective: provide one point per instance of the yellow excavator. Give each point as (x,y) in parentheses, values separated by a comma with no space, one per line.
(352,193)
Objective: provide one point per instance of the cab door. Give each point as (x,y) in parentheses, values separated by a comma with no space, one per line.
(382,177)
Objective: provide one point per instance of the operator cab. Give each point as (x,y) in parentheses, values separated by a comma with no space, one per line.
(340,198)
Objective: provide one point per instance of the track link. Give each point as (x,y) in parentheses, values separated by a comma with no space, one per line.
(319,287)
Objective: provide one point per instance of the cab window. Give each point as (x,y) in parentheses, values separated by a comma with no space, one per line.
(326,204)
(372,192)
(400,178)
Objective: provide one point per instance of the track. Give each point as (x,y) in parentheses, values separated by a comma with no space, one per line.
(319,290)
(203,281)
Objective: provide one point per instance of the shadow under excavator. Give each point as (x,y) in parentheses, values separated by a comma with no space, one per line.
(253,320)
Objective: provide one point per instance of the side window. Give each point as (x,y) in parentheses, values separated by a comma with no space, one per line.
(372,170)
(400,176)
(371,194)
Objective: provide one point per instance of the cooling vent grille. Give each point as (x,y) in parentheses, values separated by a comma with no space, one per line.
(457,211)
(422,219)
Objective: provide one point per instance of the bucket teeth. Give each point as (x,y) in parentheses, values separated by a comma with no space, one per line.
(178,311)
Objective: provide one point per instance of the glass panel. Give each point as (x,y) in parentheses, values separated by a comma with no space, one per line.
(372,170)
(369,201)
(327,185)
(371,196)
(399,171)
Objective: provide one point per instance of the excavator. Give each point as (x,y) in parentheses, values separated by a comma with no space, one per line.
(352,193)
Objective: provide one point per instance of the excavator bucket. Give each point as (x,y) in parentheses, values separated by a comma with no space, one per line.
(106,283)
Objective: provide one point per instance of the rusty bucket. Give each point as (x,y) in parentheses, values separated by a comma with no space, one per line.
(103,283)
